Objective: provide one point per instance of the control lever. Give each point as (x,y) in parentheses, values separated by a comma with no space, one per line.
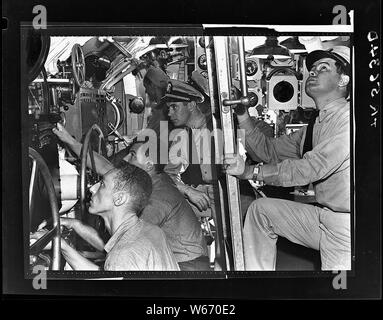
(251,100)
(41,243)
(121,137)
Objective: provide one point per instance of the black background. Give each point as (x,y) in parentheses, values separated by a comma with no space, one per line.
(366,281)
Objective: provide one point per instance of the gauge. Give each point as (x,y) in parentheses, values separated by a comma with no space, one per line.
(63,119)
(163,54)
(204,74)
(201,42)
(251,68)
(202,64)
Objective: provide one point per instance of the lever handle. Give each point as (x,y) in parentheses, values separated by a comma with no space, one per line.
(251,100)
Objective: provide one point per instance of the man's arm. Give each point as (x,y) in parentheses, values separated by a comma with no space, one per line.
(178,163)
(317,164)
(75,259)
(102,164)
(174,172)
(198,198)
(262,148)
(325,158)
(86,232)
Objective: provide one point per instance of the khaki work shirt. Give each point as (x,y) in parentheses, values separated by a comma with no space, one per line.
(327,165)
(140,246)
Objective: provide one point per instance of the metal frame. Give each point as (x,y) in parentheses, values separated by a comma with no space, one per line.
(221,233)
(229,146)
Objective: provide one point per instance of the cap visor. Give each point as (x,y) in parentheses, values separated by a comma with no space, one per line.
(319,54)
(174,98)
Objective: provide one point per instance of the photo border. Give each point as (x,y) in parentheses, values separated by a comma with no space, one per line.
(366,269)
(76,29)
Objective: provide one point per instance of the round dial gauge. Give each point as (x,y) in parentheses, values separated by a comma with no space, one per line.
(251,68)
(202,64)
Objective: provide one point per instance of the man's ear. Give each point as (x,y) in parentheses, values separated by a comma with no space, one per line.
(192,106)
(149,165)
(344,80)
(119,198)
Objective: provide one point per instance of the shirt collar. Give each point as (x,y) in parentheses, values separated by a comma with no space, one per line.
(133,223)
(156,178)
(331,107)
(199,125)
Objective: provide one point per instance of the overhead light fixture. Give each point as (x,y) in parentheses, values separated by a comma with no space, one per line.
(294,45)
(271,48)
(159,42)
(311,43)
(168,42)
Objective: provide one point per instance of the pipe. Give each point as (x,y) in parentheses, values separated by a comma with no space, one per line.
(32,184)
(119,68)
(52,80)
(112,82)
(122,49)
(46,95)
(242,66)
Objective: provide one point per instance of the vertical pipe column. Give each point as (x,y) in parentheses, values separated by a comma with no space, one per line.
(242,65)
(32,185)
(224,88)
(221,263)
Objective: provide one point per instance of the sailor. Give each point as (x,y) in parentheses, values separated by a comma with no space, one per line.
(317,154)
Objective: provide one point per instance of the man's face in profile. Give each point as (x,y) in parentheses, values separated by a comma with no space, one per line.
(179,113)
(102,194)
(137,156)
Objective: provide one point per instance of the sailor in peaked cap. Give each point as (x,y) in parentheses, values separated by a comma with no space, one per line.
(317,154)
(179,91)
(340,54)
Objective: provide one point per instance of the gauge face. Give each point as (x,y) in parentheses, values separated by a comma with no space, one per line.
(201,42)
(204,74)
(202,62)
(251,68)
(163,54)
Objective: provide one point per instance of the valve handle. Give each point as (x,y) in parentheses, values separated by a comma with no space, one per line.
(251,100)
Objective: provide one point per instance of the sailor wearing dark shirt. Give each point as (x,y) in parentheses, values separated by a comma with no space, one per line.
(169,210)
